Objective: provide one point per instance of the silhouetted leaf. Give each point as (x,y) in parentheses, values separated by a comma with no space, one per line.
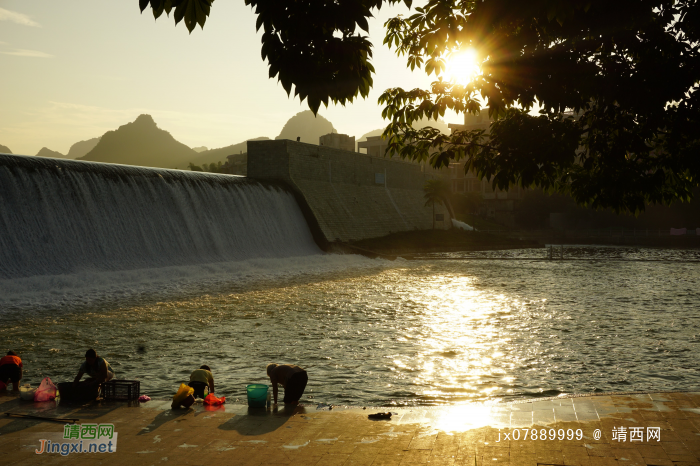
(192,11)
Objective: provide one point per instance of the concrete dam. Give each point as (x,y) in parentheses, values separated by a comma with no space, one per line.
(347,196)
(65,216)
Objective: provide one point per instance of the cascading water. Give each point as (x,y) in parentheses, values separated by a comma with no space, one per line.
(66,217)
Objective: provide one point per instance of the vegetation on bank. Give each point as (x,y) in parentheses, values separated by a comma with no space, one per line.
(533,211)
(211,168)
(421,241)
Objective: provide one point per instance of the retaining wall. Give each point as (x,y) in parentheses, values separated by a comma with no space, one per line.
(351,196)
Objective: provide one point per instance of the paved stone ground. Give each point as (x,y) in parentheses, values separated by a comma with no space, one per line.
(152,434)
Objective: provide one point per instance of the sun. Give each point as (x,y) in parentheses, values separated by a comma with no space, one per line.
(462,68)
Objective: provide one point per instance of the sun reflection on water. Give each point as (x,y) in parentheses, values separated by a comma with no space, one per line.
(460,339)
(470,416)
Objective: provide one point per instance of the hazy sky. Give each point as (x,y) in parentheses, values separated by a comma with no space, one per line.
(71,70)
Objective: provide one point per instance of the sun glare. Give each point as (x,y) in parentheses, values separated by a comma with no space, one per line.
(462,68)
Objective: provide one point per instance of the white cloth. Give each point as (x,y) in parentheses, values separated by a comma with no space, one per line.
(461,225)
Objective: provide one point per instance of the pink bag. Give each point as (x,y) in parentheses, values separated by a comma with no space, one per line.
(46,391)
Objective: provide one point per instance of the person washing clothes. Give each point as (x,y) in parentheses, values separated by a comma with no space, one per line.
(97,369)
(292,378)
(200,379)
(11,369)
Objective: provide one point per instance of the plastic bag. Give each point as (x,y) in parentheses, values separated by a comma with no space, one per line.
(46,391)
(182,393)
(144,398)
(211,399)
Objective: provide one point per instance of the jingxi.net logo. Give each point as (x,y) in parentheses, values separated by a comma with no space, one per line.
(80,438)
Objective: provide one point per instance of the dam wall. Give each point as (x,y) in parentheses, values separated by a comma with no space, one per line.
(350,196)
(65,217)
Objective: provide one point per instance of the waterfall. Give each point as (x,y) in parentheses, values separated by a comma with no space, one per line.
(64,217)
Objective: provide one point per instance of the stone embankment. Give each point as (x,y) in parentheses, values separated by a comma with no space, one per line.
(661,429)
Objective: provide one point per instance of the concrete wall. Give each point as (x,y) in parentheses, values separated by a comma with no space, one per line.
(351,196)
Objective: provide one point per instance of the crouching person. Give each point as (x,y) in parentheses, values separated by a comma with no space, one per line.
(97,369)
(200,379)
(11,369)
(292,378)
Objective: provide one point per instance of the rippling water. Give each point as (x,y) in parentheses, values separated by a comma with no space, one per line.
(442,330)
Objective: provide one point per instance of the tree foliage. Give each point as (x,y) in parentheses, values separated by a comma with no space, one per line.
(213,167)
(615,84)
(437,191)
(194,12)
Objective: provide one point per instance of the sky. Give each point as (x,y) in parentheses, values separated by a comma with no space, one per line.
(72,70)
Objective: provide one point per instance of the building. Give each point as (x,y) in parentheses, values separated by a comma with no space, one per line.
(480,121)
(374,146)
(338,141)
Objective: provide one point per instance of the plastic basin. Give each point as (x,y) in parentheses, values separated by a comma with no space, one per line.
(26,394)
(81,392)
(257,395)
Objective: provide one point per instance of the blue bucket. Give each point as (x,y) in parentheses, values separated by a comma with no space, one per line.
(257,395)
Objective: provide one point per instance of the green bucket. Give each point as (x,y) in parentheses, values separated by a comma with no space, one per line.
(257,395)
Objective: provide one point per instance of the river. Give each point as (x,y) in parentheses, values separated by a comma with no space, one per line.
(447,329)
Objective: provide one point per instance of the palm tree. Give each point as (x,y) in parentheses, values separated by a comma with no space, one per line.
(438,190)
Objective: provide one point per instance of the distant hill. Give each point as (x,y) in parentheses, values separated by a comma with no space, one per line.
(5,150)
(220,154)
(307,127)
(141,143)
(81,148)
(44,152)
(200,149)
(376,132)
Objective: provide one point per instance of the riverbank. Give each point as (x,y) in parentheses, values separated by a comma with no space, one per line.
(426,241)
(454,240)
(661,429)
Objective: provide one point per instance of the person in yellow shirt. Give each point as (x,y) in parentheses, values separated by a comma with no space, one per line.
(200,379)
